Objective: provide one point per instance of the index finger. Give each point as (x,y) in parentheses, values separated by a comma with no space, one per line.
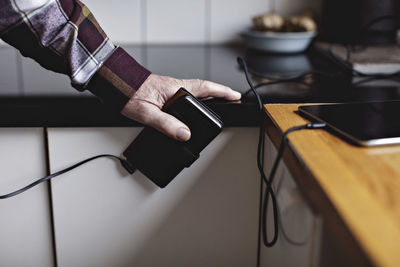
(211,89)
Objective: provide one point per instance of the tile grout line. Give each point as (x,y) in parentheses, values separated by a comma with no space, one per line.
(143,27)
(207,22)
(143,20)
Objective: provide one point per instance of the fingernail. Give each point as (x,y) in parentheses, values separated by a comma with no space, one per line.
(183,134)
(237,94)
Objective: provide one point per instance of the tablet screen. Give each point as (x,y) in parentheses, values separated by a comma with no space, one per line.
(372,123)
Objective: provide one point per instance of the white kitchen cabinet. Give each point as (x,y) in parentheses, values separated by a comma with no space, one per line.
(300,229)
(25,224)
(207,216)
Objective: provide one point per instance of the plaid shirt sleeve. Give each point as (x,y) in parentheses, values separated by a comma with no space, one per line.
(64,36)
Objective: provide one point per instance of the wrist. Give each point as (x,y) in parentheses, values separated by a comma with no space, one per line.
(118,79)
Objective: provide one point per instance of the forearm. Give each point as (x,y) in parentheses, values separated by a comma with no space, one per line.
(63,36)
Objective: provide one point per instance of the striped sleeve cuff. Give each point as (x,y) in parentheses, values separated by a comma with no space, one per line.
(117,79)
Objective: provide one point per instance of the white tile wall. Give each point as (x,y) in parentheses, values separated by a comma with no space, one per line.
(185,21)
(290,7)
(175,21)
(121,19)
(229,18)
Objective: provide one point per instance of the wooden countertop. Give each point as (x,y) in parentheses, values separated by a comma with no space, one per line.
(355,189)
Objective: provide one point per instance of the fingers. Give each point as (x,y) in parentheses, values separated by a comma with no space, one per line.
(202,89)
(144,106)
(167,124)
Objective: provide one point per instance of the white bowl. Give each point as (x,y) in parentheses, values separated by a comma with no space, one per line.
(278,42)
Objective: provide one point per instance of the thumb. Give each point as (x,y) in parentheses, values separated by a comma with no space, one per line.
(168,125)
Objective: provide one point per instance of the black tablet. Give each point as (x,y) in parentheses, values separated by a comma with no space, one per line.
(366,124)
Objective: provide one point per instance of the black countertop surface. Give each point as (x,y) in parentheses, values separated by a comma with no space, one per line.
(34,97)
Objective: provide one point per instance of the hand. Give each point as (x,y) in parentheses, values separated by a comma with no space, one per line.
(146,104)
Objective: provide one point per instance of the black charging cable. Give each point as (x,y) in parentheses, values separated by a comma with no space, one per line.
(274,168)
(269,192)
(260,164)
(123,162)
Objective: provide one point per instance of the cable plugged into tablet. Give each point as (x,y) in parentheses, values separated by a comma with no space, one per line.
(320,125)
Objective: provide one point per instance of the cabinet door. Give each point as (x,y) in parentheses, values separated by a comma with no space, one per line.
(299,229)
(207,216)
(25,224)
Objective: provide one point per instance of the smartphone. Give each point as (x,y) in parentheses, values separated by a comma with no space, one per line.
(161,158)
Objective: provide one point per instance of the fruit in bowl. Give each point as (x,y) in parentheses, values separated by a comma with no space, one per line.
(275,34)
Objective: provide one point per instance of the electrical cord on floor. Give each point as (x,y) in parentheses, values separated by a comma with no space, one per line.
(123,162)
(269,192)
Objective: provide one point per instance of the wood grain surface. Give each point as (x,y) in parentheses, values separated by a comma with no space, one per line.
(356,189)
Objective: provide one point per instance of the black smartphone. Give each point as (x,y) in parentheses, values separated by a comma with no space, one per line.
(161,158)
